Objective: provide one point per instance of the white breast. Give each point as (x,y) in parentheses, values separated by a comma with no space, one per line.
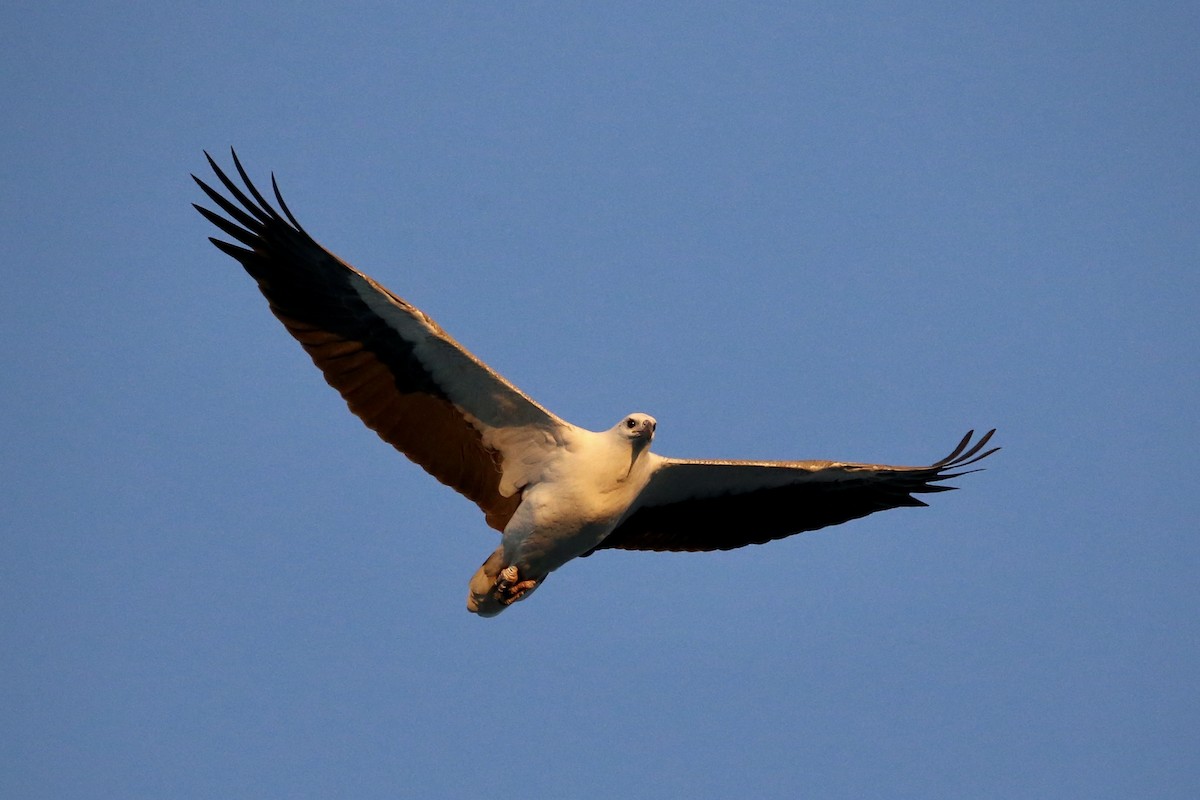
(582,494)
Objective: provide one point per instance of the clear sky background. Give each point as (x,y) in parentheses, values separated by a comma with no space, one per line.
(807,230)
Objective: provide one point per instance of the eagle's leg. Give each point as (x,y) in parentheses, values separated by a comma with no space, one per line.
(497,585)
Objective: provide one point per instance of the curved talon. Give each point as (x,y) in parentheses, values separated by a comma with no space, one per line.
(518,591)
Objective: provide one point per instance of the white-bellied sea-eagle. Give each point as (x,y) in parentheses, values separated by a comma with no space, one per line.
(555,491)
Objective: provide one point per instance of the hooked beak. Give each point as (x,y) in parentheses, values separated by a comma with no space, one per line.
(643,434)
(642,437)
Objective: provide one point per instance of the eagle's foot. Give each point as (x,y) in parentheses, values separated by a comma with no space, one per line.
(509,587)
(495,586)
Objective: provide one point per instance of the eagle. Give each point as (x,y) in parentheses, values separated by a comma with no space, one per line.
(554,490)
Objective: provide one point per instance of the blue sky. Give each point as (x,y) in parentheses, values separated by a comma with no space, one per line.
(843,230)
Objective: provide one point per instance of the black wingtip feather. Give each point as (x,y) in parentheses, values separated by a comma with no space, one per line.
(961,456)
(284,207)
(236,231)
(255,210)
(958,449)
(240,253)
(263,215)
(256,216)
(262,201)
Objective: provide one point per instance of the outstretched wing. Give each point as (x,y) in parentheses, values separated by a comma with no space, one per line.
(405,377)
(720,505)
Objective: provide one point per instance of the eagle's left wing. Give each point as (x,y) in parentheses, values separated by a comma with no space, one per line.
(721,505)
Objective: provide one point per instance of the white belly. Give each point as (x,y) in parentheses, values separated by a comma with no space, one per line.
(549,529)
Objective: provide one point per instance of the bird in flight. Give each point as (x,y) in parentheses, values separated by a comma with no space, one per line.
(554,490)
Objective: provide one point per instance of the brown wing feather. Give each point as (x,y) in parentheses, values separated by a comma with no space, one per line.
(698,505)
(375,368)
(427,429)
